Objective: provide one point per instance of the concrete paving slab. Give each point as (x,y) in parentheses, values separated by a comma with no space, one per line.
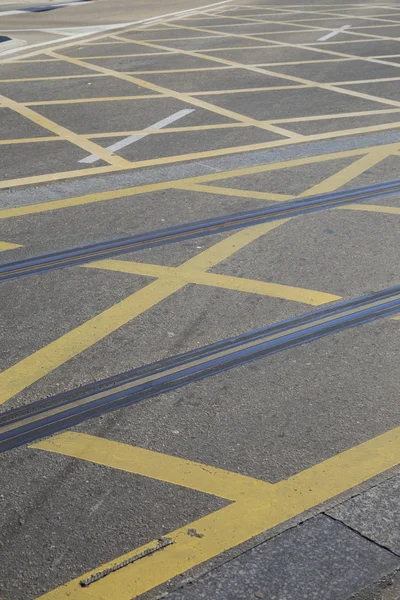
(318,559)
(80,515)
(374,514)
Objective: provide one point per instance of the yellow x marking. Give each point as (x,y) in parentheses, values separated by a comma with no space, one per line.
(256,507)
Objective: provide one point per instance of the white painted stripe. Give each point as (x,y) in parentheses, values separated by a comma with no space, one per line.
(333,33)
(6,13)
(135,138)
(27,11)
(115,26)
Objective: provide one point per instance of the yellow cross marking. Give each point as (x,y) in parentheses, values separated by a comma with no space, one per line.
(185,275)
(257,506)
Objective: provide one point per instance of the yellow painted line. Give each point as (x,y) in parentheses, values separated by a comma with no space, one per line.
(115,194)
(7,246)
(199,277)
(170,130)
(10,183)
(375,208)
(64,133)
(194,156)
(53,78)
(325,86)
(271,505)
(136,55)
(250,90)
(187,98)
(156,465)
(227,191)
(349,173)
(30,209)
(175,39)
(35,366)
(362,113)
(126,133)
(84,100)
(301,62)
(52,138)
(193,70)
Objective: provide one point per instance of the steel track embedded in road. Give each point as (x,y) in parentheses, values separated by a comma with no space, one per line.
(42,418)
(170,235)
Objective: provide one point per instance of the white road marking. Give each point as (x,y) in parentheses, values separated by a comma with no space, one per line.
(27,11)
(115,26)
(332,33)
(6,13)
(135,138)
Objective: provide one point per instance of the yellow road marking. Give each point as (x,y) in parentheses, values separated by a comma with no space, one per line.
(350,172)
(30,140)
(186,98)
(54,77)
(159,466)
(279,44)
(239,284)
(9,183)
(131,132)
(250,90)
(265,507)
(361,113)
(376,208)
(35,366)
(64,133)
(7,246)
(38,364)
(114,194)
(85,100)
(227,191)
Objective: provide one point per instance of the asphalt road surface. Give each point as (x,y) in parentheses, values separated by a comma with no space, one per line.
(200,300)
